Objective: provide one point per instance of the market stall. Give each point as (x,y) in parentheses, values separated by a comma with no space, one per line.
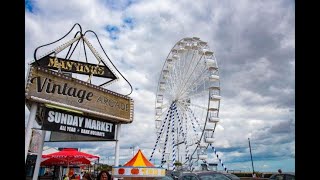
(138,168)
(70,158)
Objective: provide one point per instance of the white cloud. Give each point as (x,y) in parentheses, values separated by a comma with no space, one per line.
(253,43)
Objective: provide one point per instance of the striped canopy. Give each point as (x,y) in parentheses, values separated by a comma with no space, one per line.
(139,160)
(138,166)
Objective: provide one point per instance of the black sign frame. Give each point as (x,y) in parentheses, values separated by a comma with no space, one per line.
(73,66)
(69,122)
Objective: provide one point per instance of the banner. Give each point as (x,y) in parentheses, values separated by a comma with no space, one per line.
(68,122)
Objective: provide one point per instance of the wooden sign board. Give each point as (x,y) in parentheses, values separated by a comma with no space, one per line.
(50,87)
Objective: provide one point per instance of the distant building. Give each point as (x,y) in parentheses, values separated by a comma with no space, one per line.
(209,166)
(234,171)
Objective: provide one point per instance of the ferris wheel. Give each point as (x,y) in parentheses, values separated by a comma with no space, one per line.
(187,103)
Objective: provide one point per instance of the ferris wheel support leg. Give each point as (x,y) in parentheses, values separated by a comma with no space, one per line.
(32,116)
(158,138)
(214,150)
(39,157)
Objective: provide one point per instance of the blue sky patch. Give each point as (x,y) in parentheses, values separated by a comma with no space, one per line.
(113,31)
(28,6)
(119,4)
(128,23)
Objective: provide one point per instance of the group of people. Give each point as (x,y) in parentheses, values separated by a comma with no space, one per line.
(103,175)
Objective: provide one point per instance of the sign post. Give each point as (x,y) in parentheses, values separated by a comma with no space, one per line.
(39,157)
(32,116)
(116,160)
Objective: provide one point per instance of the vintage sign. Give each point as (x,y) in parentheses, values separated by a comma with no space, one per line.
(68,137)
(46,86)
(75,67)
(63,121)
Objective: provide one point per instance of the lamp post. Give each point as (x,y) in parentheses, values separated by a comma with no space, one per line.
(251,157)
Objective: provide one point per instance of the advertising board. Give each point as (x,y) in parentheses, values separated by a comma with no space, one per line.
(68,122)
(46,86)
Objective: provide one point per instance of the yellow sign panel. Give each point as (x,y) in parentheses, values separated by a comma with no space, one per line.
(46,86)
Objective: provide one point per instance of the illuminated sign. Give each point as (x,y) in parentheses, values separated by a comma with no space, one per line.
(75,67)
(46,86)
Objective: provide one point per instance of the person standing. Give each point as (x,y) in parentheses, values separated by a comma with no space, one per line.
(81,175)
(104,175)
(66,177)
(254,175)
(87,176)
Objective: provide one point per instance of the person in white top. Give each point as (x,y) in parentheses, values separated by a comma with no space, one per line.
(81,175)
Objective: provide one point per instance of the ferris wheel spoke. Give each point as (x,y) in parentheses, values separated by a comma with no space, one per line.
(193,126)
(186,99)
(198,106)
(196,84)
(188,78)
(184,71)
(180,122)
(196,119)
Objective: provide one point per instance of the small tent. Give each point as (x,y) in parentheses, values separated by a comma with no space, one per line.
(138,168)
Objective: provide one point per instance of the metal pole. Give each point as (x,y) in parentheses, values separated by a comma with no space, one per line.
(251,156)
(116,159)
(32,116)
(132,147)
(60,173)
(39,157)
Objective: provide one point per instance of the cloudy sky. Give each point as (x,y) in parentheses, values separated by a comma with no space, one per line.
(254,44)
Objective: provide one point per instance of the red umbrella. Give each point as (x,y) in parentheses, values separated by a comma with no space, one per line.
(68,157)
(65,162)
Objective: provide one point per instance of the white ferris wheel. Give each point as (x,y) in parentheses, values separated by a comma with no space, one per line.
(187,103)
